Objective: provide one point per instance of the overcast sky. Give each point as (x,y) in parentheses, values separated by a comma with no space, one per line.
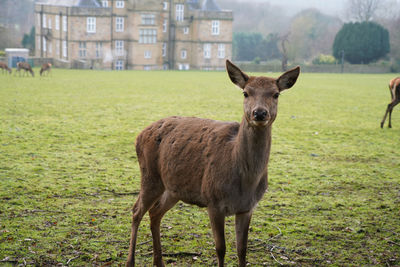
(331,7)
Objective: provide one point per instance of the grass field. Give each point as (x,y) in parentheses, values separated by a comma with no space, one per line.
(69,174)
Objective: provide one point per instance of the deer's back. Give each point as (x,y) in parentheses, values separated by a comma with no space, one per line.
(395,82)
(23,65)
(186,153)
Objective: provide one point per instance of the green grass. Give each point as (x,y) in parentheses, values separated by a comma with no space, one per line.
(69,173)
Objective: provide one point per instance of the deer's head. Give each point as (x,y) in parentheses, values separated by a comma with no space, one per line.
(261,93)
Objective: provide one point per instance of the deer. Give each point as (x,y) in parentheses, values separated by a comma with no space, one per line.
(394,87)
(4,67)
(221,166)
(46,67)
(25,66)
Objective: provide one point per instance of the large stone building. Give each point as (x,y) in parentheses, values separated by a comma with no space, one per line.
(134,34)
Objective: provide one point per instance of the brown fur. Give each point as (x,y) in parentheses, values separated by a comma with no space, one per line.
(213,164)
(46,67)
(26,67)
(394,87)
(4,67)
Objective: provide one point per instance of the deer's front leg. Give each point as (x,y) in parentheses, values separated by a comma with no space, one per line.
(217,220)
(242,223)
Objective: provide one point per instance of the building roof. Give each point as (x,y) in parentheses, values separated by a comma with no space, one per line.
(80,3)
(210,5)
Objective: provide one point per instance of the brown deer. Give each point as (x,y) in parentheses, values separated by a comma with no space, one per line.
(394,87)
(213,164)
(4,67)
(46,67)
(24,66)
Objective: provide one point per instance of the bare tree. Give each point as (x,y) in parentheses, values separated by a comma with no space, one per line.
(284,39)
(364,10)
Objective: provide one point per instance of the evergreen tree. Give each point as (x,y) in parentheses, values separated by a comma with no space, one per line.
(361,43)
(28,41)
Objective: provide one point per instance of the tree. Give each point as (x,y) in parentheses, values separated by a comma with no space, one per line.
(362,10)
(361,42)
(249,46)
(257,16)
(284,39)
(16,18)
(28,41)
(311,33)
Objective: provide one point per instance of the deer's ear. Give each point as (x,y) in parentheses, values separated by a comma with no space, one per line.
(288,79)
(237,76)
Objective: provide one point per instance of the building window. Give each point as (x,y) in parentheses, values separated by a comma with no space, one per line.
(215,27)
(99,49)
(119,65)
(57,22)
(44,21)
(119,24)
(38,43)
(82,49)
(147,36)
(165,25)
(148,19)
(38,19)
(165,5)
(207,50)
(164,49)
(221,50)
(179,12)
(104,3)
(119,48)
(50,24)
(44,44)
(147,54)
(50,48)
(91,24)
(64,22)
(64,48)
(183,54)
(120,4)
(147,67)
(186,30)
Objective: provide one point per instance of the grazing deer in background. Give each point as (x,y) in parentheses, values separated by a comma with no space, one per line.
(46,67)
(213,164)
(394,87)
(4,67)
(24,66)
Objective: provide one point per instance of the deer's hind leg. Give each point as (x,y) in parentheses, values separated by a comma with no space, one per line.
(165,203)
(390,111)
(384,116)
(147,197)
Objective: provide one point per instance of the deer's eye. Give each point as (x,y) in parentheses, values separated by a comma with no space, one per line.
(276,95)
(245,94)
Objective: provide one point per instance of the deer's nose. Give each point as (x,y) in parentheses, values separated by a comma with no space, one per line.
(260,114)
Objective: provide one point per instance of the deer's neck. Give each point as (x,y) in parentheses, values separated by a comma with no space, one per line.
(252,150)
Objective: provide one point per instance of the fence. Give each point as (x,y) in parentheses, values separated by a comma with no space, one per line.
(347,68)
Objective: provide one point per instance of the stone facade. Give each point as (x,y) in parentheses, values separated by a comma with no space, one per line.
(134,34)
